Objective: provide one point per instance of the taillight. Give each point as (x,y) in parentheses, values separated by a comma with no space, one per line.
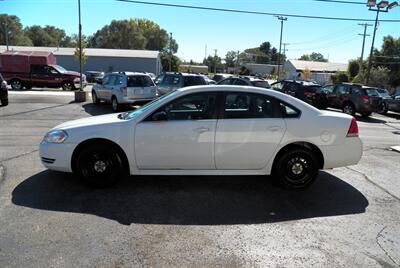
(124,90)
(353,129)
(365,99)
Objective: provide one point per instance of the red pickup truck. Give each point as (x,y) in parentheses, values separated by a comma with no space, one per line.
(25,69)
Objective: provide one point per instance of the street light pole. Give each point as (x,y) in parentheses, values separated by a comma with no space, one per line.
(282,19)
(80,46)
(382,6)
(170,51)
(215,61)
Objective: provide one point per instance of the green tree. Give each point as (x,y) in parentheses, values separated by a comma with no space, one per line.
(77,48)
(133,34)
(314,56)
(230,59)
(175,62)
(389,58)
(340,77)
(212,61)
(379,77)
(265,48)
(16,36)
(353,68)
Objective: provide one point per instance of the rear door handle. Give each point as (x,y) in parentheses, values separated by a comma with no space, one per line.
(201,129)
(274,128)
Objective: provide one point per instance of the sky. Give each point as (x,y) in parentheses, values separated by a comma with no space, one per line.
(199,32)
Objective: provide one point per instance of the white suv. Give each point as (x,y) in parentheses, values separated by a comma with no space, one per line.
(121,88)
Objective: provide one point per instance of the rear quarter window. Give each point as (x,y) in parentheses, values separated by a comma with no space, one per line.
(289,111)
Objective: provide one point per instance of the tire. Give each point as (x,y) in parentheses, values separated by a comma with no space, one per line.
(348,108)
(95,100)
(4,102)
(383,109)
(28,87)
(16,84)
(99,166)
(68,86)
(296,169)
(366,114)
(115,105)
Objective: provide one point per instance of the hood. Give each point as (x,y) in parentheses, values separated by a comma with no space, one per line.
(90,121)
(72,73)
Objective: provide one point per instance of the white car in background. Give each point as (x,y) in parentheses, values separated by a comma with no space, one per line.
(207,130)
(122,88)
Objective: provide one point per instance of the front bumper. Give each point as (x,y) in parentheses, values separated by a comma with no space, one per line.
(126,100)
(56,156)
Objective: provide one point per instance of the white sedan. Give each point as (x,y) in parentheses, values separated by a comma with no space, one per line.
(207,130)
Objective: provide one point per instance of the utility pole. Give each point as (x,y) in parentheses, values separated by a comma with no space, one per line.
(170,51)
(284,48)
(215,61)
(205,52)
(282,19)
(6,33)
(366,25)
(237,62)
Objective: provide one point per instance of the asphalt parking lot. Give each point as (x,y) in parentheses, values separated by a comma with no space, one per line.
(349,218)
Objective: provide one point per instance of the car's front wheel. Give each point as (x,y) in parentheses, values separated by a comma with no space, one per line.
(99,166)
(296,168)
(68,86)
(383,109)
(95,99)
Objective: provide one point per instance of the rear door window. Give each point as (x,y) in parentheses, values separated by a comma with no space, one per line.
(170,80)
(240,82)
(139,81)
(226,82)
(240,105)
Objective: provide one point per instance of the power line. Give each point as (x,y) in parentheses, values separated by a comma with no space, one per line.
(341,2)
(251,12)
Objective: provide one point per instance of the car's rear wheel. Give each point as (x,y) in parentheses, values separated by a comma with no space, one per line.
(348,108)
(68,86)
(95,99)
(114,104)
(99,166)
(16,84)
(383,109)
(296,168)
(4,102)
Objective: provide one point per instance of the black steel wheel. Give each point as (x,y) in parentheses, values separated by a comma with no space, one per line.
(16,84)
(296,169)
(383,109)
(100,165)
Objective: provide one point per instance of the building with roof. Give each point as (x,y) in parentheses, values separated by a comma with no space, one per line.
(105,60)
(320,71)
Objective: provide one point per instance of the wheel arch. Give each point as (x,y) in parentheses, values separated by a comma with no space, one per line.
(94,142)
(301,144)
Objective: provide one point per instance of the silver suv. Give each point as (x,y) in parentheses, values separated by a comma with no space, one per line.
(122,88)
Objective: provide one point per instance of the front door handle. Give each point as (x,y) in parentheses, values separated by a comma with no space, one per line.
(274,128)
(201,129)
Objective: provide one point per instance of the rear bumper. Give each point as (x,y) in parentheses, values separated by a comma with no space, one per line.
(346,154)
(367,108)
(127,100)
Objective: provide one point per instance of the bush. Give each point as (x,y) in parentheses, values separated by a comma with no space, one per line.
(340,77)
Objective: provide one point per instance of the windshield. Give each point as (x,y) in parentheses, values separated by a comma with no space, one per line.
(132,114)
(383,92)
(59,68)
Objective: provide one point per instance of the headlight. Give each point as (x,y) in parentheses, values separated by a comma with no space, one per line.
(56,136)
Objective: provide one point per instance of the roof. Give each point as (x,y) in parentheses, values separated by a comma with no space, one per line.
(317,66)
(104,52)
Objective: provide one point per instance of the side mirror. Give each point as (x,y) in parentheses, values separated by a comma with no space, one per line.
(160,116)
(99,81)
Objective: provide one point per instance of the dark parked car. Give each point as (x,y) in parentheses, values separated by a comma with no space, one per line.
(245,81)
(309,92)
(389,103)
(353,98)
(220,77)
(91,76)
(3,91)
(167,82)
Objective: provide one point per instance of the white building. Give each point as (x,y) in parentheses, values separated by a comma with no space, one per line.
(320,71)
(106,60)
